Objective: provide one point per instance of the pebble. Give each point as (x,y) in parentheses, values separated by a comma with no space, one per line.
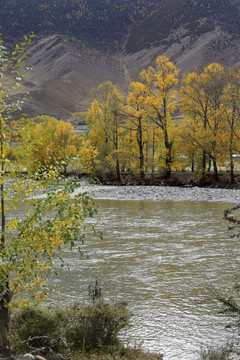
(38,357)
(165,193)
(28,357)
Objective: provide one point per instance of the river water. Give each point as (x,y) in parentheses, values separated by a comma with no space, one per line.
(165,251)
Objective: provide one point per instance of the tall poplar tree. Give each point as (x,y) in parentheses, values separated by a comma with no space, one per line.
(202,100)
(106,116)
(160,101)
(231,111)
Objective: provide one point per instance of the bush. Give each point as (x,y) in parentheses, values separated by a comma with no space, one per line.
(96,325)
(73,327)
(42,326)
(215,354)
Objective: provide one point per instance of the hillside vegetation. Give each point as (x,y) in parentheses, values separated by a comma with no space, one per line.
(99,23)
(104,24)
(196,17)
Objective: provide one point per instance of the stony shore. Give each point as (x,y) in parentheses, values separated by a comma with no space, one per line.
(181,186)
(163,193)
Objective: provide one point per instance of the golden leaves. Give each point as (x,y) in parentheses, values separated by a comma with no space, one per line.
(48,143)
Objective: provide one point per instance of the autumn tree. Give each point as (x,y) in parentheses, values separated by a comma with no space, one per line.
(105,118)
(160,101)
(202,100)
(231,111)
(66,142)
(137,119)
(47,142)
(33,228)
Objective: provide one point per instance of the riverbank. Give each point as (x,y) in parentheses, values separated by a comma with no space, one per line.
(76,331)
(162,193)
(180,187)
(178,179)
(129,354)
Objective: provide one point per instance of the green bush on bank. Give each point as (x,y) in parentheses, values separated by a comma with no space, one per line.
(215,354)
(74,327)
(96,325)
(42,326)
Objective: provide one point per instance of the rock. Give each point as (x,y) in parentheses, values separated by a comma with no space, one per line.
(49,354)
(38,357)
(28,357)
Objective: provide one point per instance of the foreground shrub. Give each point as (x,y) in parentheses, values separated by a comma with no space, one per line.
(75,327)
(96,325)
(215,354)
(37,326)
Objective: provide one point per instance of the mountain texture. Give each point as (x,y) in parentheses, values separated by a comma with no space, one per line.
(81,43)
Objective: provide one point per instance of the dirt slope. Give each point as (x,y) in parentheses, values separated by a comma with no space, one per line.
(64,71)
(188,52)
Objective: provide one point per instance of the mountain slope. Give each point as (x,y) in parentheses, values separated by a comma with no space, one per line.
(98,23)
(63,75)
(191,33)
(84,42)
(196,17)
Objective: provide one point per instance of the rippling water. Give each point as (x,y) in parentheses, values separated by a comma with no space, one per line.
(163,258)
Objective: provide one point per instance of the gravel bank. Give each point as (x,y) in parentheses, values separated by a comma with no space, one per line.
(165,193)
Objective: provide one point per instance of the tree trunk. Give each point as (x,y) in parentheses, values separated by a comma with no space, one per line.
(204,158)
(168,161)
(231,157)
(5,293)
(153,153)
(232,179)
(204,161)
(118,171)
(204,164)
(4,320)
(4,325)
(142,173)
(215,169)
(141,147)
(209,165)
(193,165)
(168,145)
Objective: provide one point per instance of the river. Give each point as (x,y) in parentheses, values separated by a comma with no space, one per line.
(164,251)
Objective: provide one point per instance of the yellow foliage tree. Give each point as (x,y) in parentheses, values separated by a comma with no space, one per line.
(160,101)
(202,100)
(48,142)
(137,120)
(231,111)
(87,154)
(105,118)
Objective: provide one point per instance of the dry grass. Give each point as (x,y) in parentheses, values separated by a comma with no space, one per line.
(127,354)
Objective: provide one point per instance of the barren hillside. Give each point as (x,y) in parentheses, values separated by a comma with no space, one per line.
(82,43)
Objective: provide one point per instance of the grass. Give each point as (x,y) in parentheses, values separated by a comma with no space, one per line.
(124,354)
